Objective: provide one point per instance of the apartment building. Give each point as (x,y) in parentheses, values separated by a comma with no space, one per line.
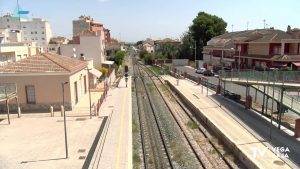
(87,23)
(32,30)
(258,49)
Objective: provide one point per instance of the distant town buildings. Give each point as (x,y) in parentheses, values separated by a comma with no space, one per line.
(89,40)
(259,49)
(55,43)
(31,30)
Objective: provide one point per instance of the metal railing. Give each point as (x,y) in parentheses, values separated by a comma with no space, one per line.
(288,100)
(7,90)
(262,76)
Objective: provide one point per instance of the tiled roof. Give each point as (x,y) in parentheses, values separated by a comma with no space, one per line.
(44,63)
(254,36)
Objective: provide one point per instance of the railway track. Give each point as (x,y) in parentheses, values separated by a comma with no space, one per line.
(154,146)
(197,136)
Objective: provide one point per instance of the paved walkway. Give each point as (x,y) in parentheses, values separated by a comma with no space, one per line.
(115,150)
(230,126)
(36,141)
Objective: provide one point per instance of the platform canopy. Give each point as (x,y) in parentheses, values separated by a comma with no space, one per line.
(96,72)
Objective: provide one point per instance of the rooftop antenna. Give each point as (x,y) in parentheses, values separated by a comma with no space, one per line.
(264,24)
(247,25)
(19,14)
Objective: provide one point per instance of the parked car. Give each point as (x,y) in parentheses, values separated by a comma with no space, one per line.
(200,70)
(208,73)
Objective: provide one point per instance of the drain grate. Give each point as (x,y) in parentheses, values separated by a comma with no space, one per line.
(80,119)
(82,157)
(277,162)
(81,150)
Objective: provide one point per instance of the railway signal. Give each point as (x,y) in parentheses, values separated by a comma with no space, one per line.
(126,74)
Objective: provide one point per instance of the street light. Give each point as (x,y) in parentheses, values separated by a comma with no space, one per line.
(65,125)
(195,54)
(88,71)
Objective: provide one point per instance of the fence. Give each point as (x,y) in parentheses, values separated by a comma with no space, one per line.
(266,76)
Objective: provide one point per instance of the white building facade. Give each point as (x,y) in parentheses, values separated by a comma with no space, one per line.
(90,46)
(35,30)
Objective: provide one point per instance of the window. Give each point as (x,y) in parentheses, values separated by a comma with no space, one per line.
(30,94)
(43,38)
(7,20)
(31,32)
(35,32)
(277,50)
(43,32)
(24,27)
(8,26)
(84,79)
(76,92)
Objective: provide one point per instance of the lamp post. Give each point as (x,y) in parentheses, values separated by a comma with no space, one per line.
(195,48)
(239,59)
(88,71)
(65,125)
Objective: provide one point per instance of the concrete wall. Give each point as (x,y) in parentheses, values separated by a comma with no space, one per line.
(258,49)
(180,62)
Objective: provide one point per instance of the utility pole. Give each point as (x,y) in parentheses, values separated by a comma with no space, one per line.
(232,28)
(264,24)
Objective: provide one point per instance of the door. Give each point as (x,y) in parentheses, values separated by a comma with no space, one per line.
(76,92)
(30,94)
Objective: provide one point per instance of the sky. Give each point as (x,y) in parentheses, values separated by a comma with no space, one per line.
(133,20)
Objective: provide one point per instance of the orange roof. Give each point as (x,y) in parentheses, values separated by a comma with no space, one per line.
(45,63)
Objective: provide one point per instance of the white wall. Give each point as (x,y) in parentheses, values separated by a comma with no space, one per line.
(90,46)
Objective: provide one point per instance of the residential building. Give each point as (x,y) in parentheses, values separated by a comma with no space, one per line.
(13,52)
(32,30)
(54,44)
(89,44)
(174,42)
(259,49)
(39,81)
(148,45)
(107,36)
(10,36)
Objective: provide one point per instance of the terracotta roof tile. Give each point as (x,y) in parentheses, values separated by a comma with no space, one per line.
(43,63)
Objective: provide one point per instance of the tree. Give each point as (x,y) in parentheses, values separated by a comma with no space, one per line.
(148,58)
(185,50)
(205,27)
(168,50)
(119,57)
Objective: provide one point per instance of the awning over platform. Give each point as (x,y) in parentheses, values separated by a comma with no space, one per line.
(95,72)
(107,62)
(297,64)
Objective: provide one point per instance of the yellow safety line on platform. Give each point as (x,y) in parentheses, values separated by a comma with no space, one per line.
(121,130)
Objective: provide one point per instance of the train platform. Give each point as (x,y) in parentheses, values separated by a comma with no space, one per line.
(114,148)
(252,150)
(36,140)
